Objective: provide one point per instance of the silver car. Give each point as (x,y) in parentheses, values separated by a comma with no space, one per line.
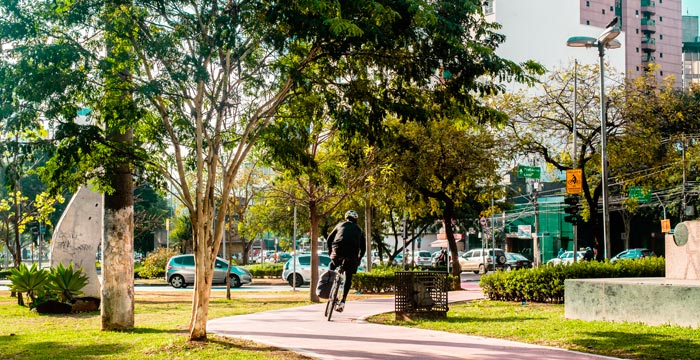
(302,271)
(179,272)
(481,260)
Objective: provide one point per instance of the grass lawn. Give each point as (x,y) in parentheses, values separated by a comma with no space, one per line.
(544,324)
(161,330)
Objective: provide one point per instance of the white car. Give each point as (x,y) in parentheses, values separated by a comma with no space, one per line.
(303,268)
(566,258)
(423,258)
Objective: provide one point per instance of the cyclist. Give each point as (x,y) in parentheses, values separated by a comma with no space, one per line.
(346,245)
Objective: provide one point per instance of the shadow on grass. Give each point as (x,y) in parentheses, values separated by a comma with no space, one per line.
(484,319)
(145,330)
(14,348)
(654,344)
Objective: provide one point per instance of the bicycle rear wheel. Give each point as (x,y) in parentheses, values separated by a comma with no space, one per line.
(332,299)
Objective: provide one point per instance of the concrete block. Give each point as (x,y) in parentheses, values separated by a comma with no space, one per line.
(652,301)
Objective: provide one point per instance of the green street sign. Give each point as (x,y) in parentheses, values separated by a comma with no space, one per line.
(641,194)
(532,172)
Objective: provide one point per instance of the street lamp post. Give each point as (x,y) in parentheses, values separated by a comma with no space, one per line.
(606,40)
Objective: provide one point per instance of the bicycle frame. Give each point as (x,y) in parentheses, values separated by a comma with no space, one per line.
(336,295)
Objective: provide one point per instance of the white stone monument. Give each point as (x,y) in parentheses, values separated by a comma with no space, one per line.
(683,252)
(78,235)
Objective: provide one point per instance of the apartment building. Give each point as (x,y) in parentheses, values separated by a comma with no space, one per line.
(538,29)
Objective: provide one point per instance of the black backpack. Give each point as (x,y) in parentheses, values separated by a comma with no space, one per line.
(325,283)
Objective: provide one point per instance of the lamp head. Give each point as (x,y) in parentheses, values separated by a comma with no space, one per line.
(581,41)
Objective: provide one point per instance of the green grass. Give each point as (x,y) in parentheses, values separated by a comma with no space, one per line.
(544,324)
(161,330)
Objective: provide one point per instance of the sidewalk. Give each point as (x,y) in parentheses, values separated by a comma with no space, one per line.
(348,336)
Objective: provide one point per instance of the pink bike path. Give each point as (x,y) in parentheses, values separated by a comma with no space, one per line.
(348,336)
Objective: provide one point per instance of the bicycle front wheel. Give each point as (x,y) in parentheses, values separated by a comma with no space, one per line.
(332,300)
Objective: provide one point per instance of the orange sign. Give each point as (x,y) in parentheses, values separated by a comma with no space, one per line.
(665,225)
(574,183)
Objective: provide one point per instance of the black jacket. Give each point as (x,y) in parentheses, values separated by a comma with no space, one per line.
(346,242)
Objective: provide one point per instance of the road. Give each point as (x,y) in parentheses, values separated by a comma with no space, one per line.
(469,281)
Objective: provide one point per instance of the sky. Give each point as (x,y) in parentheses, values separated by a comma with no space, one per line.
(690,7)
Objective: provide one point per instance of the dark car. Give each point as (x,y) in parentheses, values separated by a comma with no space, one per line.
(517,261)
(632,254)
(179,272)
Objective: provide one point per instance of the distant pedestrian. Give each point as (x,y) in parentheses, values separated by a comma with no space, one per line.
(561,252)
(588,255)
(442,260)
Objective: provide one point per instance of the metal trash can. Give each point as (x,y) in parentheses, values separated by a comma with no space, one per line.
(420,294)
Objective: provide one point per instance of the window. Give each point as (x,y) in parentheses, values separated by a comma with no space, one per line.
(588,22)
(661,18)
(661,37)
(637,68)
(612,9)
(187,260)
(305,260)
(588,4)
(636,31)
(603,11)
(636,49)
(661,55)
(636,12)
(661,73)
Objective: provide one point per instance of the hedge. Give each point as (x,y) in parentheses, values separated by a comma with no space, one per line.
(381,279)
(266,270)
(546,283)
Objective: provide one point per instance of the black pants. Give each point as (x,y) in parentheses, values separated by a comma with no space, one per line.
(349,271)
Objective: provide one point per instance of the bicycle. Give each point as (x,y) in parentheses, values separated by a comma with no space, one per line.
(336,294)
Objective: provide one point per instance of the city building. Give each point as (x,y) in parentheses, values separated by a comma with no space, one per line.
(691,51)
(538,30)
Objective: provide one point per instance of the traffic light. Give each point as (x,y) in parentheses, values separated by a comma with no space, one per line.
(572,209)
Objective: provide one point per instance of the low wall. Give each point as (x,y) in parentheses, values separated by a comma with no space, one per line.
(652,301)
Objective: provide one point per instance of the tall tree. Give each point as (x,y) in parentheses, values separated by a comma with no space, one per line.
(447,166)
(213,74)
(542,123)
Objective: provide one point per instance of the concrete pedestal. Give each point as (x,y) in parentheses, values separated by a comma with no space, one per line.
(652,301)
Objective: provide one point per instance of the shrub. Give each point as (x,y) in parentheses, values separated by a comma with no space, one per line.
(266,270)
(154,264)
(66,282)
(60,283)
(383,279)
(546,283)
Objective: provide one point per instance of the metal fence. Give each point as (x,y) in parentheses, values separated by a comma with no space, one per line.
(421,294)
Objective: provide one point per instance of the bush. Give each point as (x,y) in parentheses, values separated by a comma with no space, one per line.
(546,283)
(59,283)
(382,279)
(266,270)
(4,274)
(154,264)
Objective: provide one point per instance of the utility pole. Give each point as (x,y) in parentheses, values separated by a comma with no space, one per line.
(573,145)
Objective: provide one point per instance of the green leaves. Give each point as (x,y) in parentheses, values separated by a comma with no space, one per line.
(28,280)
(66,282)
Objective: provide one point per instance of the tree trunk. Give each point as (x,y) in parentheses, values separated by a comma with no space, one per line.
(314,220)
(447,216)
(202,282)
(117,307)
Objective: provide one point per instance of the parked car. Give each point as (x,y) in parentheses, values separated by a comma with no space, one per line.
(630,254)
(566,258)
(436,255)
(179,272)
(517,261)
(481,260)
(302,272)
(422,258)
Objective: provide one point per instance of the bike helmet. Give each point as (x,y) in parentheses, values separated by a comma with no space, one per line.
(351,215)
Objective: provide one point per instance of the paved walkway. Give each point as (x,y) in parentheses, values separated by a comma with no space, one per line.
(348,336)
